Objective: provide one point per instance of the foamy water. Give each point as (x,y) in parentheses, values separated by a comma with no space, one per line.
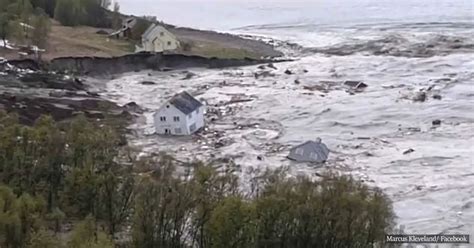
(368,132)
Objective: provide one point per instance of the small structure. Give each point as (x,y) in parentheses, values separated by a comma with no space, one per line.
(157,39)
(126,30)
(182,115)
(310,151)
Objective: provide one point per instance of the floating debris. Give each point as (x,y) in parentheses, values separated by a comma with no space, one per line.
(358,85)
(420,97)
(408,151)
(436,122)
(271,65)
(437,97)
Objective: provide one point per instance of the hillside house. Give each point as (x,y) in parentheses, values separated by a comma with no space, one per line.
(181,115)
(310,152)
(157,39)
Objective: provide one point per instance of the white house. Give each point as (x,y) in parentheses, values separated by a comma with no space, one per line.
(157,39)
(182,115)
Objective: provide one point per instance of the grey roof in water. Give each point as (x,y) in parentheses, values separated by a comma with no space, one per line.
(185,102)
(310,151)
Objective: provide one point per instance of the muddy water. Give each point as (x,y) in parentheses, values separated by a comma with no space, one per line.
(369,133)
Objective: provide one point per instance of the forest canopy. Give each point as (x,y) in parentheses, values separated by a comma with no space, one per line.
(75,177)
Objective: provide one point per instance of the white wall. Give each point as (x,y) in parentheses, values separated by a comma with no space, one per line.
(197,118)
(170,112)
(186,121)
(159,40)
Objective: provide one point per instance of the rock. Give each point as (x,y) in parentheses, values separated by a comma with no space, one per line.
(420,97)
(260,158)
(288,72)
(189,75)
(356,84)
(315,87)
(297,81)
(305,71)
(133,107)
(368,154)
(94,114)
(263,74)
(271,65)
(101,31)
(261,67)
(57,93)
(219,145)
(436,122)
(408,151)
(437,97)
(147,83)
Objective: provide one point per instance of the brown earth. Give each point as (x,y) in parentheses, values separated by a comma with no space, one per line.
(84,41)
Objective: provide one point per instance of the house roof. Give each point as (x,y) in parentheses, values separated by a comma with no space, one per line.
(313,147)
(148,30)
(185,103)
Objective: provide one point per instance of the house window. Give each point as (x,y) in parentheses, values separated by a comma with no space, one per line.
(192,128)
(169,43)
(299,151)
(197,111)
(162,34)
(314,156)
(190,115)
(176,119)
(167,106)
(162,118)
(177,130)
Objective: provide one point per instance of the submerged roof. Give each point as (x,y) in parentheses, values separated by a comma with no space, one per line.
(309,148)
(185,102)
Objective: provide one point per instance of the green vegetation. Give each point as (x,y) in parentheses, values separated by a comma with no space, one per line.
(52,174)
(213,49)
(22,22)
(82,12)
(28,21)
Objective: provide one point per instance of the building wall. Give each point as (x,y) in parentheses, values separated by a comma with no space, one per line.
(159,40)
(187,123)
(196,120)
(170,124)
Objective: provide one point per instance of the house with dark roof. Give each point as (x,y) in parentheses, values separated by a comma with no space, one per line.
(310,152)
(181,115)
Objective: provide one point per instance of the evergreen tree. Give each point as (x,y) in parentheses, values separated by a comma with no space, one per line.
(41,28)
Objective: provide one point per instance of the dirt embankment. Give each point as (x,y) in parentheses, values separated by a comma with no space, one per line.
(94,66)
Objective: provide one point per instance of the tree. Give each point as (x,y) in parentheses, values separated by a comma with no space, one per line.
(41,27)
(43,239)
(86,235)
(232,224)
(162,208)
(116,22)
(105,4)
(47,5)
(67,12)
(20,217)
(4,27)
